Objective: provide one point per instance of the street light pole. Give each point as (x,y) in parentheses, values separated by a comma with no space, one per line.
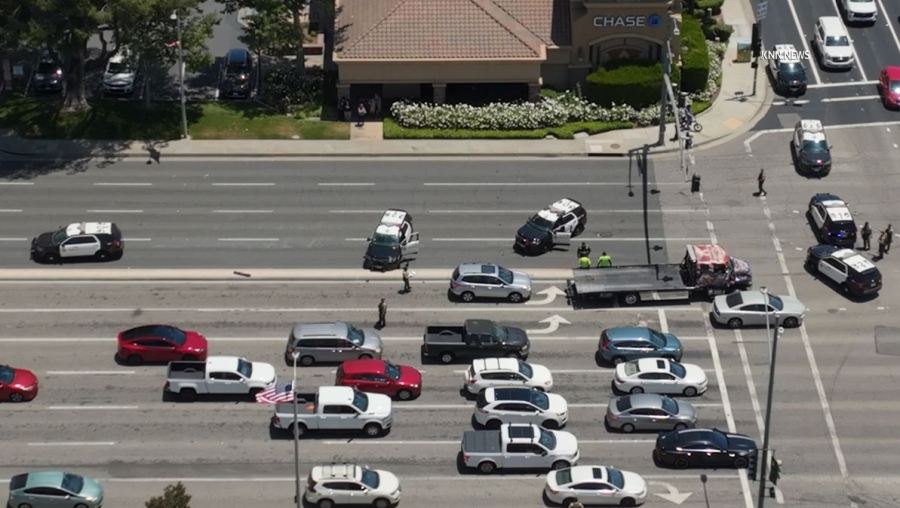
(765,291)
(761,497)
(184,125)
(703,480)
(295,355)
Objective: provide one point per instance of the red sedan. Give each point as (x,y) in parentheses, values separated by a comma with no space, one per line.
(160,344)
(378,376)
(17,385)
(889,87)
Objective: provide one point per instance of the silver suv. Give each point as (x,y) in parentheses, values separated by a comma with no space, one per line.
(487,280)
(331,342)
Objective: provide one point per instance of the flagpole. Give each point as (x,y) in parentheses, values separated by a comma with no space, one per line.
(294,355)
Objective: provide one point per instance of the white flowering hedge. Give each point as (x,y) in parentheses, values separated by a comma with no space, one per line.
(548,112)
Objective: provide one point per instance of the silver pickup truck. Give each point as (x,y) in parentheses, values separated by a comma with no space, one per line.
(218,375)
(519,446)
(338,408)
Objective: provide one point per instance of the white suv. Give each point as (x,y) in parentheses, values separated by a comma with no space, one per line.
(833,42)
(496,406)
(860,10)
(120,73)
(494,372)
(349,484)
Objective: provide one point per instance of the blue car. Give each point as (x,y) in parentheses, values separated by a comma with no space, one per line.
(624,343)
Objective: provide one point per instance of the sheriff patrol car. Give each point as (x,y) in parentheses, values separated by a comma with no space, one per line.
(810,148)
(100,240)
(787,70)
(831,220)
(849,269)
(393,241)
(552,226)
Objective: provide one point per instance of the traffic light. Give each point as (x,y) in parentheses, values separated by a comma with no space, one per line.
(755,41)
(751,466)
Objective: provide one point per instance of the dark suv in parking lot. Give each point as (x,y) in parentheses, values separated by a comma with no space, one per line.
(235,74)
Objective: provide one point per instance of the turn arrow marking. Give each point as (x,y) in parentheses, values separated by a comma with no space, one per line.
(673,495)
(550,294)
(553,323)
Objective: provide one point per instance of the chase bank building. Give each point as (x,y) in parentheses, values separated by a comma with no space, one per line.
(471,50)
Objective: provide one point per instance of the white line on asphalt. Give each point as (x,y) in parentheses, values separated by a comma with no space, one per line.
(73,443)
(243,184)
(243,211)
(837,85)
(356,239)
(356,211)
(248,239)
(10,239)
(800,102)
(470,406)
(849,99)
(123,184)
(114,211)
(606,240)
(663,322)
(383,442)
(345,184)
(803,39)
(461,478)
(778,103)
(516,212)
(890,24)
(751,386)
(16,183)
(757,134)
(712,233)
(129,239)
(587,338)
(89,372)
(536,184)
(91,408)
(459,308)
(11,210)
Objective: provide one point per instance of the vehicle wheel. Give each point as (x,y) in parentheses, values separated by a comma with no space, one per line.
(188,395)
(404,394)
(135,360)
(569,502)
(631,299)
(16,397)
(791,322)
(514,297)
(560,464)
(381,503)
(189,358)
(740,462)
(550,424)
(679,426)
(735,322)
(628,428)
(102,255)
(446,358)
(636,389)
(467,296)
(306,361)
(697,127)
(690,391)
(628,501)
(254,392)
(617,360)
(325,503)
(81,505)
(578,229)
(365,357)
(301,430)
(25,505)
(51,258)
(680,463)
(372,430)
(486,467)
(493,424)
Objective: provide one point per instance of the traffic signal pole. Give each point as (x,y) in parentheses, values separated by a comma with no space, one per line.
(764,460)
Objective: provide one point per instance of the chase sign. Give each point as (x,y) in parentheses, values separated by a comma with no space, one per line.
(651,21)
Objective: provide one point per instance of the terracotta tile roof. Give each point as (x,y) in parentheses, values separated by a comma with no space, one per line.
(446,29)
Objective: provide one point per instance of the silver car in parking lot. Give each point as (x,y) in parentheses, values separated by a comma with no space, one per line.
(489,280)
(748,308)
(649,411)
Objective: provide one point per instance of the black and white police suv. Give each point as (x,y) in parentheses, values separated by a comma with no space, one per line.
(812,153)
(831,220)
(99,240)
(393,241)
(849,269)
(786,68)
(552,226)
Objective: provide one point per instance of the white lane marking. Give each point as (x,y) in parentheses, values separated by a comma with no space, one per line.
(89,372)
(778,103)
(803,39)
(751,386)
(458,478)
(129,239)
(837,85)
(114,211)
(345,184)
(663,322)
(16,183)
(356,211)
(759,133)
(849,99)
(73,443)
(517,212)
(712,233)
(356,239)
(243,211)
(248,239)
(890,24)
(11,210)
(243,184)
(588,338)
(91,408)
(460,308)
(437,442)
(123,184)
(606,240)
(800,102)
(536,184)
(11,239)
(472,406)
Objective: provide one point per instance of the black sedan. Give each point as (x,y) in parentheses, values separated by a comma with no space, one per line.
(704,448)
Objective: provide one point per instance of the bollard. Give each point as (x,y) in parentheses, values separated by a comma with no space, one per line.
(695,183)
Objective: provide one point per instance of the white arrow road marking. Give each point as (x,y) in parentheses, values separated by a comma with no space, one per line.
(550,294)
(553,323)
(673,495)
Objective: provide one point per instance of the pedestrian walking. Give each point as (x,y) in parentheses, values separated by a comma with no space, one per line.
(584,251)
(761,181)
(382,315)
(888,238)
(866,236)
(584,262)
(406,288)
(360,114)
(604,261)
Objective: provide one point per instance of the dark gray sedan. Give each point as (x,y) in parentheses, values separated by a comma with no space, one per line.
(649,411)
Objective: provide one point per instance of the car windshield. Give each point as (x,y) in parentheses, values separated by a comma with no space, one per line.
(525,370)
(564,476)
(541,223)
(385,240)
(540,399)
(670,406)
(776,302)
(370,478)
(894,86)
(837,40)
(656,338)
(631,368)
(505,275)
(392,371)
(734,299)
(820,146)
(118,68)
(245,368)
(615,477)
(677,369)
(355,335)
(360,400)
(59,236)
(791,70)
(46,67)
(547,439)
(72,483)
(6,374)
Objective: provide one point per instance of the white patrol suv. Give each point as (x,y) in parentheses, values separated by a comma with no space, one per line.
(849,269)
(831,220)
(832,42)
(864,11)
(393,241)
(496,406)
(501,372)
(100,240)
(811,151)
(350,484)
(552,226)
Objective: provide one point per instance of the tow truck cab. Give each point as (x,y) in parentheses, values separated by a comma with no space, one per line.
(709,266)
(393,241)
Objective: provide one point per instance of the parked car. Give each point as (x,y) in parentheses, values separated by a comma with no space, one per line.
(119,76)
(519,446)
(393,242)
(338,408)
(235,74)
(624,343)
(831,220)
(220,375)
(477,338)
(811,150)
(17,385)
(506,372)
(660,375)
(100,240)
(48,75)
(552,226)
(160,343)
(402,382)
(496,406)
(349,484)
(488,280)
(704,448)
(334,341)
(749,308)
(595,486)
(649,411)
(846,268)
(53,489)
(889,86)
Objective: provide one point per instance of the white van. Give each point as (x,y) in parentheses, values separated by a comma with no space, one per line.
(118,79)
(833,43)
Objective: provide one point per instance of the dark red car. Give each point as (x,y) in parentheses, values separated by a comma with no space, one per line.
(378,376)
(160,344)
(17,385)
(889,87)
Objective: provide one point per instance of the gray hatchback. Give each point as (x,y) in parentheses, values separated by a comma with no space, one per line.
(331,342)
(649,411)
(488,280)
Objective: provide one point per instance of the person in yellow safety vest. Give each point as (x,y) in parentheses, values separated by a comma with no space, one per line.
(604,261)
(584,262)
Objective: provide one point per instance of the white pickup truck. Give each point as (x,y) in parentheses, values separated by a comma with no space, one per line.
(218,375)
(338,408)
(519,446)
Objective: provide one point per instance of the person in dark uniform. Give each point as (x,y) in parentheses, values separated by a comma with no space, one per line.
(888,238)
(866,234)
(761,182)
(584,251)
(382,315)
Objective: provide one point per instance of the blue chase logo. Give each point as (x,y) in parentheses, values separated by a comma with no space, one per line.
(654,21)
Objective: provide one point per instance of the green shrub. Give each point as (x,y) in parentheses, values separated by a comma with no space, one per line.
(285,87)
(633,82)
(723,32)
(694,56)
(715,5)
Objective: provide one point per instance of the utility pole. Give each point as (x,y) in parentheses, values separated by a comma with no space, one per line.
(642,164)
(761,498)
(297,500)
(762,8)
(664,95)
(184,125)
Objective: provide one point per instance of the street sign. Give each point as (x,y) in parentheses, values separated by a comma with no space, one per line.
(762,8)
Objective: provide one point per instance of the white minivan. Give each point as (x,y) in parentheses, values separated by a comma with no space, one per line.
(833,43)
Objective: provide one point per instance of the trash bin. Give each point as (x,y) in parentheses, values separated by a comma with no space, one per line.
(695,183)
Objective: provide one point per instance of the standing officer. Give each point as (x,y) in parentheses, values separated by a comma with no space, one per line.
(406,288)
(604,261)
(888,238)
(382,315)
(866,236)
(584,251)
